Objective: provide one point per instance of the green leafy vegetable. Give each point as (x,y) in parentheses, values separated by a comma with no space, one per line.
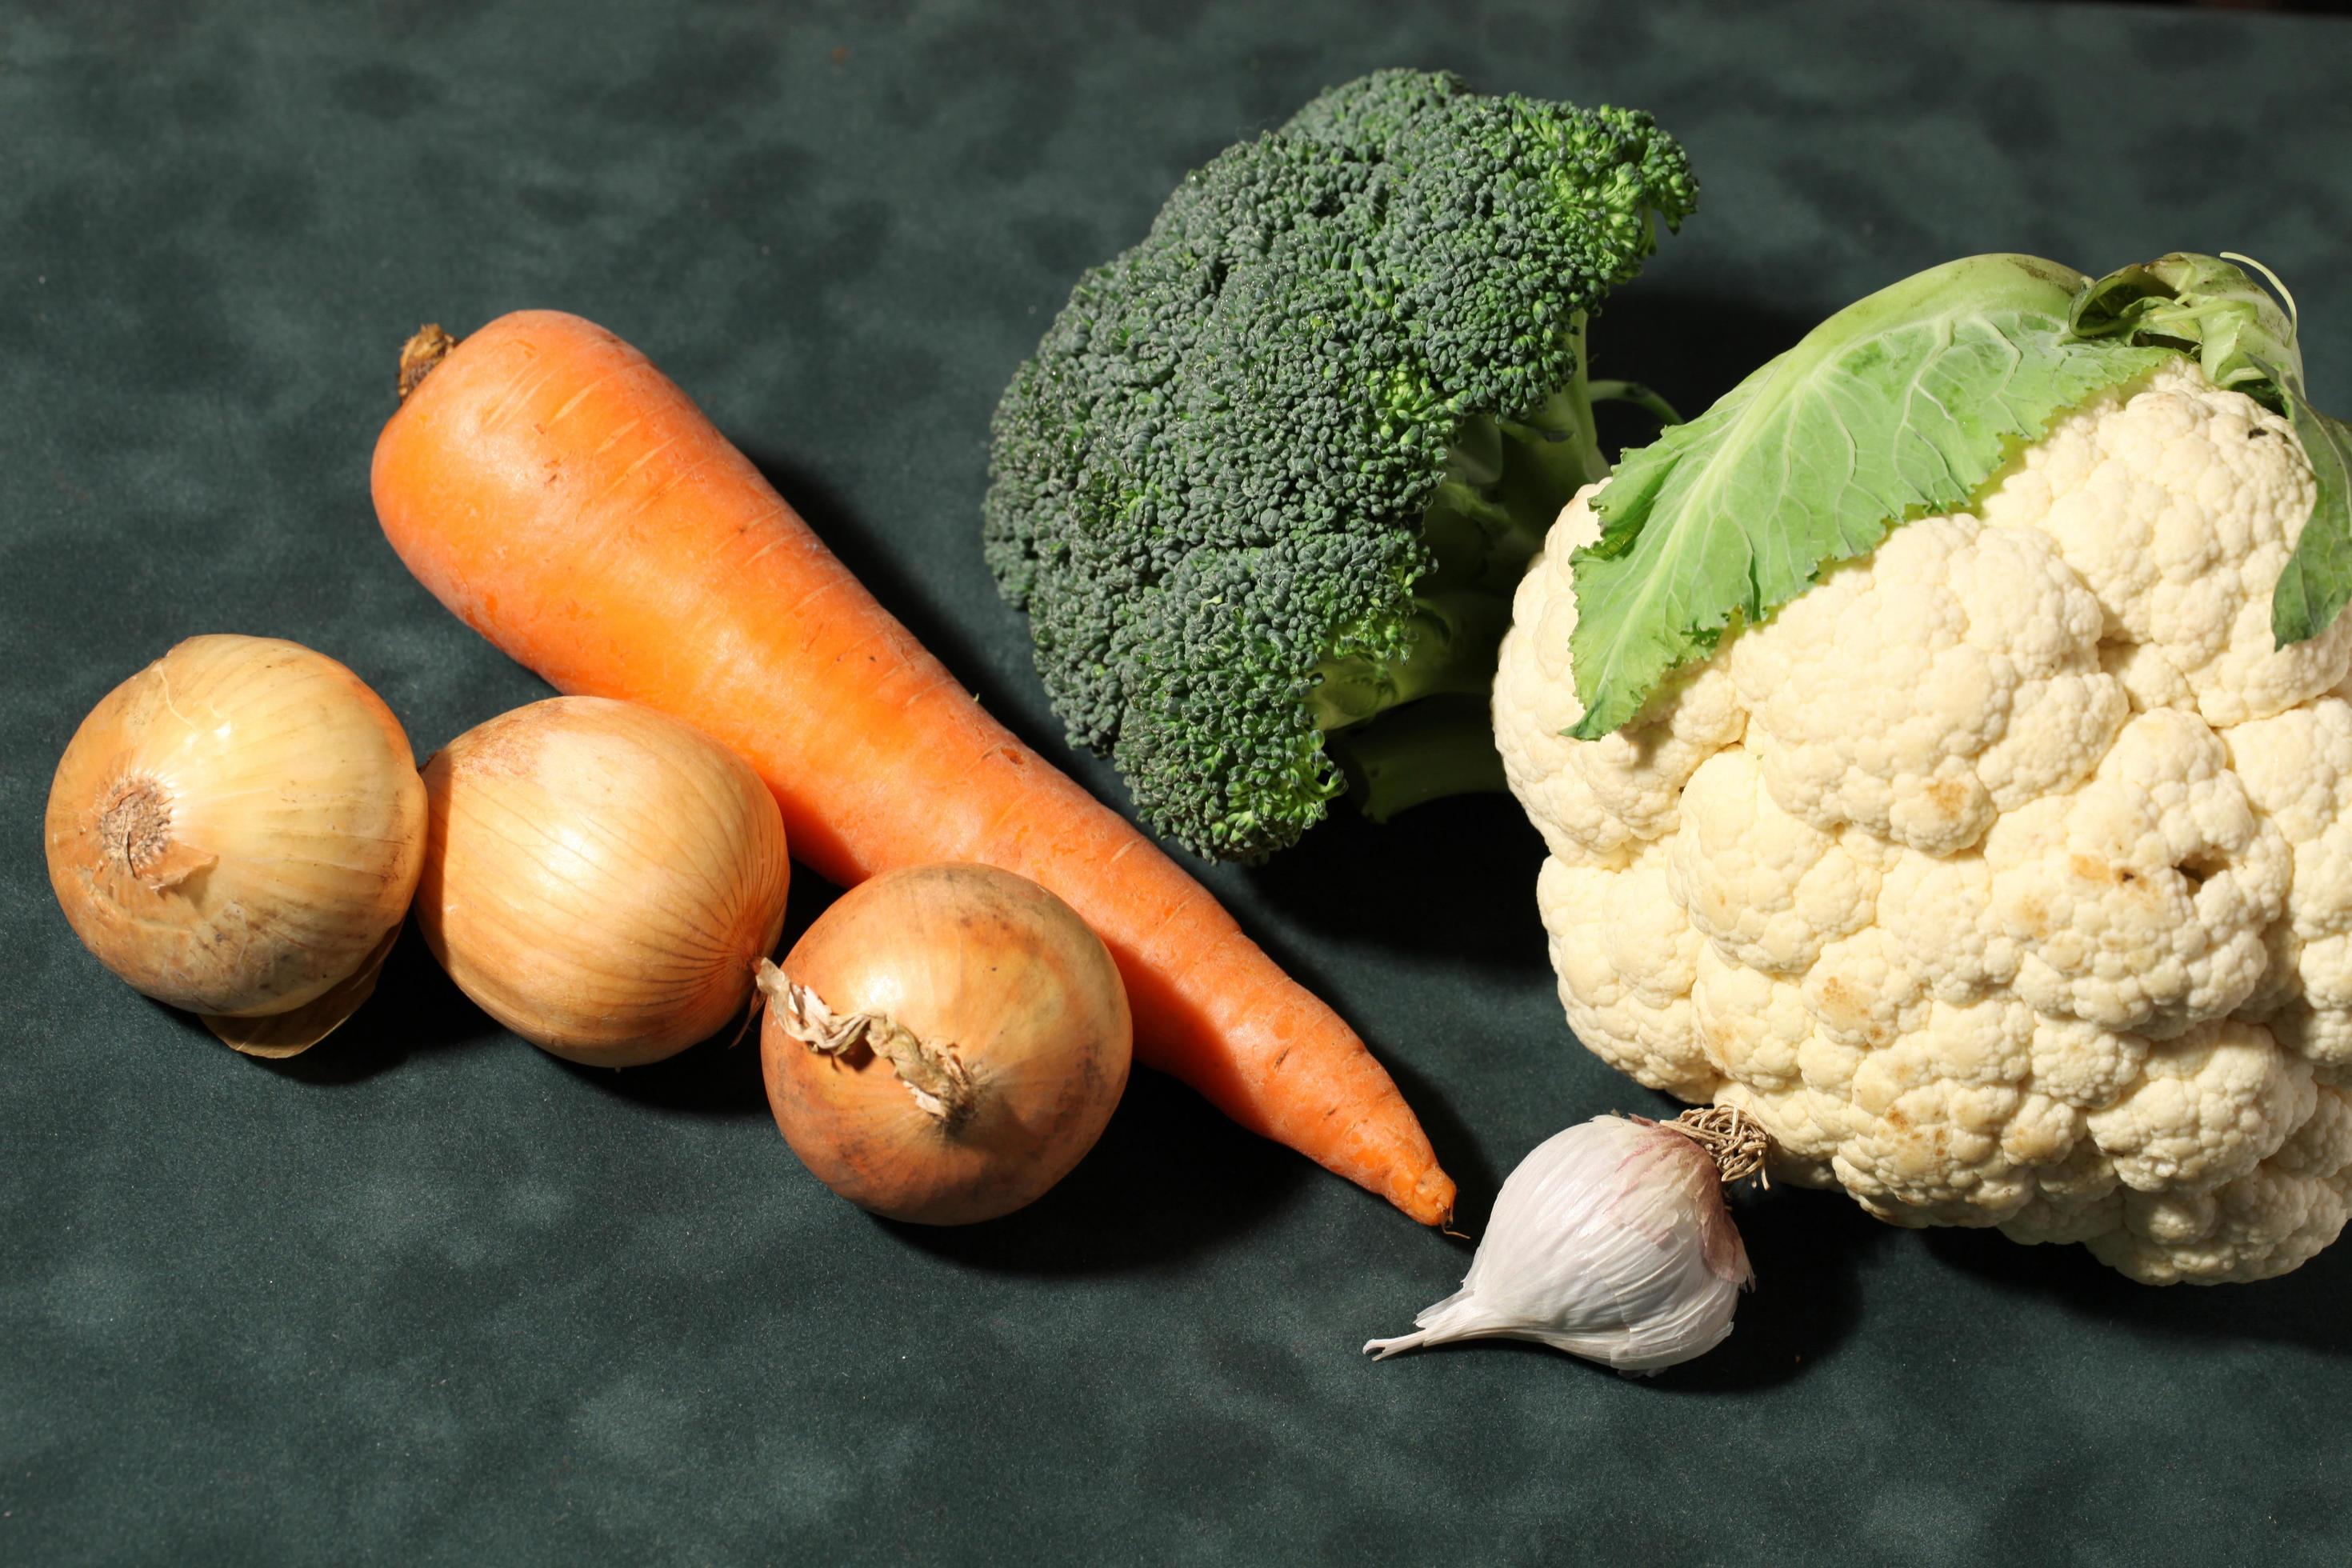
(1898,405)
(2318,577)
(1903,405)
(2204,305)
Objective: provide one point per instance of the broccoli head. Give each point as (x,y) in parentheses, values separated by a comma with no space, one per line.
(1268,482)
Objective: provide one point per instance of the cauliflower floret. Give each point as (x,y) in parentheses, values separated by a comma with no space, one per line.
(2297,769)
(1953,676)
(2178,506)
(2076,1200)
(2139,901)
(2083,1065)
(2273,1218)
(1863,993)
(1626,958)
(1767,888)
(2006,877)
(1937,916)
(1932,1114)
(1599,800)
(2208,1108)
(1753,1026)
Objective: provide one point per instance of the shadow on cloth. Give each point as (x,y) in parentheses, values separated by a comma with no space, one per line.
(2305,1308)
(1170,1178)
(1807,1249)
(416,1007)
(1454,879)
(1170,1175)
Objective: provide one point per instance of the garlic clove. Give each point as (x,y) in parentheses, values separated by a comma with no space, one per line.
(289,1034)
(1610,1241)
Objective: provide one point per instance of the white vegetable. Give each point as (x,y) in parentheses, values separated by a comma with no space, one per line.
(1610,1241)
(2006,875)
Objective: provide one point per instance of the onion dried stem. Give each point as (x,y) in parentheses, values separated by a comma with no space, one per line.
(933,1074)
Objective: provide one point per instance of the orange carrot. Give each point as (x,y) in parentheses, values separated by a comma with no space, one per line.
(570,503)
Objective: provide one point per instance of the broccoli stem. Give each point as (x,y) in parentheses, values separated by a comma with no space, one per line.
(1506,481)
(1455,635)
(1640,396)
(1432,749)
(1561,435)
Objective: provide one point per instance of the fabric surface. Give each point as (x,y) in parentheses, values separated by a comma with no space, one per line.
(427,1295)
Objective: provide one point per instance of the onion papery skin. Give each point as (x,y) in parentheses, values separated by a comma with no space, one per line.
(600,878)
(237,830)
(992,966)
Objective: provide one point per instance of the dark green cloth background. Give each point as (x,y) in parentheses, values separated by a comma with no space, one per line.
(429,1296)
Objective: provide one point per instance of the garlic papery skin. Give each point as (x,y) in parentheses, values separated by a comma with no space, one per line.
(600,878)
(1610,1241)
(236,829)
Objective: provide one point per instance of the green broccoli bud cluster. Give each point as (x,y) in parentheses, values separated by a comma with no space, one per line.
(1273,473)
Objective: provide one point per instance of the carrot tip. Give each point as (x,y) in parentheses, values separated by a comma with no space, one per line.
(428,347)
(1431,1199)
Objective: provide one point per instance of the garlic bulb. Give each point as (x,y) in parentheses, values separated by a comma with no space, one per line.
(236,830)
(601,878)
(1610,1241)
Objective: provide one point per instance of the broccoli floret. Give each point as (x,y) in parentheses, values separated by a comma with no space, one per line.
(1273,473)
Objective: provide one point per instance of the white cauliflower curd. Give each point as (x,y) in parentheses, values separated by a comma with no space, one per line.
(2005,876)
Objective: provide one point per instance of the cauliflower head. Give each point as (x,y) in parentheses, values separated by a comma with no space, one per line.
(2006,875)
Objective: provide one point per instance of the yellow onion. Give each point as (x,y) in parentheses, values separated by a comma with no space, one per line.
(236,830)
(601,878)
(945,1043)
